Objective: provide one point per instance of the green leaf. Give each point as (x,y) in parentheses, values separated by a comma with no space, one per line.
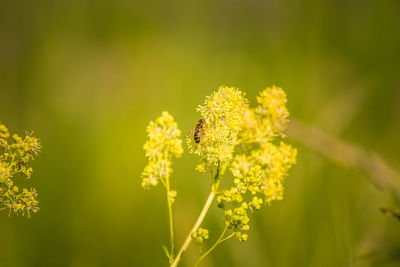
(166,251)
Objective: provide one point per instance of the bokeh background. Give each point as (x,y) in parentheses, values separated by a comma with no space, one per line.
(87,77)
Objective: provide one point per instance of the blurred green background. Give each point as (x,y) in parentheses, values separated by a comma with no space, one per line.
(87,77)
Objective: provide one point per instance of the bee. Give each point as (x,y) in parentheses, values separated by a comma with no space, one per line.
(198,130)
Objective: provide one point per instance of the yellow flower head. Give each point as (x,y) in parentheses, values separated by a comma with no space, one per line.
(222,113)
(272,106)
(268,119)
(200,235)
(15,154)
(164,143)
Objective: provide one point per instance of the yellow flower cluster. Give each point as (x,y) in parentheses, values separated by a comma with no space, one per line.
(268,119)
(15,154)
(200,235)
(230,135)
(263,170)
(222,113)
(164,143)
(244,138)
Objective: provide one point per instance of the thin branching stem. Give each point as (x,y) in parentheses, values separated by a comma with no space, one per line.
(219,241)
(200,219)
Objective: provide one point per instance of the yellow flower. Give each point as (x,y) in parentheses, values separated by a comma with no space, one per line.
(272,107)
(15,154)
(222,113)
(268,119)
(200,235)
(164,143)
(259,166)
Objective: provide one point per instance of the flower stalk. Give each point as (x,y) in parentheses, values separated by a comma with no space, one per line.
(188,240)
(171,220)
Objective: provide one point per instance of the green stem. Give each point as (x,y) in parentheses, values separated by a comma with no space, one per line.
(203,213)
(171,221)
(219,241)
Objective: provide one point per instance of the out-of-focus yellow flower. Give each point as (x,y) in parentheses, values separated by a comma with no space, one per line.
(164,143)
(268,119)
(272,107)
(15,154)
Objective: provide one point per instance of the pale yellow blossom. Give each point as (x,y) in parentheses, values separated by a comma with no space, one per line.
(163,144)
(15,154)
(222,113)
